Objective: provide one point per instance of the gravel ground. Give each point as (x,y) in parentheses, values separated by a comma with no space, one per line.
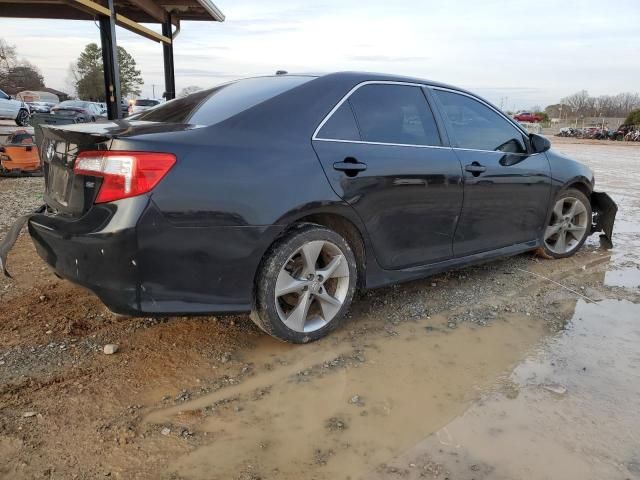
(213,397)
(18,196)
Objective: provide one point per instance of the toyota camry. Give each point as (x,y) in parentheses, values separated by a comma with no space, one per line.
(282,195)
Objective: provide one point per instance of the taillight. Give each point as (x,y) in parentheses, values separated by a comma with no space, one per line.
(124,174)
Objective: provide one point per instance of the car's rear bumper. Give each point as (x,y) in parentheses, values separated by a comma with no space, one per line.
(138,263)
(100,261)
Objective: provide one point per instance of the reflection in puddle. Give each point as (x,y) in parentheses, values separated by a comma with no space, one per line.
(576,408)
(626,278)
(345,420)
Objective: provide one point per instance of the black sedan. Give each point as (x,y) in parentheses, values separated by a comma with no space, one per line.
(80,110)
(282,195)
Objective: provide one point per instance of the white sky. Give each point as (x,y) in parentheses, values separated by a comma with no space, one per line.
(516,53)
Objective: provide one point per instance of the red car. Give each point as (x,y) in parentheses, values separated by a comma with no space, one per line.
(528,117)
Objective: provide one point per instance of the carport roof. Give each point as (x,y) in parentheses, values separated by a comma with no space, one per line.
(142,11)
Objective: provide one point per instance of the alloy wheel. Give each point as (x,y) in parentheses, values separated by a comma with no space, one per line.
(567,227)
(23,118)
(312,286)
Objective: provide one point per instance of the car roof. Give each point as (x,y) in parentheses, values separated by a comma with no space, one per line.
(359,77)
(374,76)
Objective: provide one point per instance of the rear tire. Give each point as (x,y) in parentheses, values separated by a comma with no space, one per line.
(569,225)
(305,285)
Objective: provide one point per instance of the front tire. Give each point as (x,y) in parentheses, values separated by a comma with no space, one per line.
(569,225)
(22,120)
(305,285)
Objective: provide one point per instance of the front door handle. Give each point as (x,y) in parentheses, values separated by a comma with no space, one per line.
(350,166)
(475,168)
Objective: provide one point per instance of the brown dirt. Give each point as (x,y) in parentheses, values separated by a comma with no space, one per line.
(207,397)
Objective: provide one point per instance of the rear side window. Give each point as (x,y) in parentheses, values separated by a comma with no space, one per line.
(477,126)
(394,114)
(212,106)
(341,125)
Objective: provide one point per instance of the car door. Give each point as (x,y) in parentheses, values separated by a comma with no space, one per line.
(382,151)
(506,188)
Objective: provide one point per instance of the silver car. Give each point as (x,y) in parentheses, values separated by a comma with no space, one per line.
(12,109)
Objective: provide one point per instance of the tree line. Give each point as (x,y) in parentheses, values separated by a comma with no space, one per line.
(581,104)
(17,74)
(87,74)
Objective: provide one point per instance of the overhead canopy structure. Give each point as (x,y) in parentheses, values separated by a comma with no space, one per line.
(129,14)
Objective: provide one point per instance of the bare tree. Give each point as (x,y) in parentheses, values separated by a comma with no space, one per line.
(8,56)
(626,102)
(582,104)
(578,102)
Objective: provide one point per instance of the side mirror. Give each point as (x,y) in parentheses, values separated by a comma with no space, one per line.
(539,143)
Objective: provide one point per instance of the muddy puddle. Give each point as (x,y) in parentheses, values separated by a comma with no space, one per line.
(572,411)
(320,412)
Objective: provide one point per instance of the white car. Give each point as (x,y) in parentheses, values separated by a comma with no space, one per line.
(142,104)
(11,109)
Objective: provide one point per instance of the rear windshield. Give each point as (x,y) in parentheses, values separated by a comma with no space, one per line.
(211,106)
(146,103)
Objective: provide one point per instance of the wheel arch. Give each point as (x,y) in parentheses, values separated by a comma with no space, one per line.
(581,184)
(339,219)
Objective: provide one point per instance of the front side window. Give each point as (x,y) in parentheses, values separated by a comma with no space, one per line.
(397,114)
(478,127)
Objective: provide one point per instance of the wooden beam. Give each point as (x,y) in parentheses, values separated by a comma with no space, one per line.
(95,8)
(141,30)
(151,8)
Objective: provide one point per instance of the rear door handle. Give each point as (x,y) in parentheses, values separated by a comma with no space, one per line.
(350,166)
(475,168)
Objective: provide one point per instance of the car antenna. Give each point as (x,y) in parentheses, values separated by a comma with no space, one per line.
(281,72)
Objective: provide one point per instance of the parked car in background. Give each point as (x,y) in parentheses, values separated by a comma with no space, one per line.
(102,108)
(40,107)
(81,110)
(16,110)
(142,104)
(528,117)
(282,195)
(19,155)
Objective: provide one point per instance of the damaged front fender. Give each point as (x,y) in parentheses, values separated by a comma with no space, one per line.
(604,214)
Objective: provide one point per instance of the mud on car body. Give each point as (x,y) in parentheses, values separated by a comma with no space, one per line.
(282,195)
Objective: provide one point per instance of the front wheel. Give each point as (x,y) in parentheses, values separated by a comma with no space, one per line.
(569,225)
(305,285)
(22,120)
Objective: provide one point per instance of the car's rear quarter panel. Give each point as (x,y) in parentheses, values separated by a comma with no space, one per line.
(235,187)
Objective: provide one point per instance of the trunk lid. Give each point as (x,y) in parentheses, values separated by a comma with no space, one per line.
(73,195)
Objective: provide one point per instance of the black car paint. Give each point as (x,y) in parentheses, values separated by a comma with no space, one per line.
(194,244)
